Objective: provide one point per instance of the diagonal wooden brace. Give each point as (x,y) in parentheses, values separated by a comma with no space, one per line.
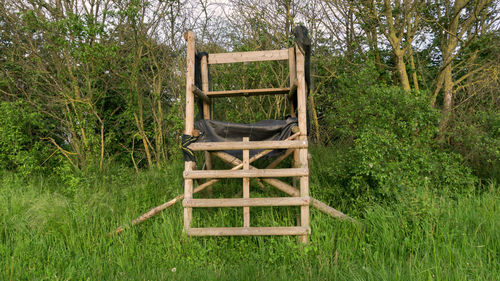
(288,189)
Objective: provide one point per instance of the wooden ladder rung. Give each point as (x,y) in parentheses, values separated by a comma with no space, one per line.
(239,145)
(217,58)
(248,231)
(257,173)
(246,202)
(248,92)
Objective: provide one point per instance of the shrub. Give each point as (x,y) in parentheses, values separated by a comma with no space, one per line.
(21,146)
(385,145)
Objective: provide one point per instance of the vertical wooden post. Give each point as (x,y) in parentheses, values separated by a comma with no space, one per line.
(246,185)
(188,165)
(206,113)
(293,80)
(301,112)
(293,75)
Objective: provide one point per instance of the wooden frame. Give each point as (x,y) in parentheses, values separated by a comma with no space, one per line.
(296,144)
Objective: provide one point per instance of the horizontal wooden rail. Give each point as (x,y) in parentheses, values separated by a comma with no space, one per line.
(248,231)
(200,94)
(257,173)
(246,202)
(219,58)
(239,145)
(248,92)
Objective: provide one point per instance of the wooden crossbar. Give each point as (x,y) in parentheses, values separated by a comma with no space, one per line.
(219,58)
(248,92)
(257,173)
(199,93)
(238,145)
(248,231)
(246,202)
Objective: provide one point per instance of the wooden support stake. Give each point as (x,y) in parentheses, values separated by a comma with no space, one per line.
(246,184)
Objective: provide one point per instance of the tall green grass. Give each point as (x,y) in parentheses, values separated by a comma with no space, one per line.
(53,229)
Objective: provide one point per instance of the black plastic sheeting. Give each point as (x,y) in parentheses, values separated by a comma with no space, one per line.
(266,130)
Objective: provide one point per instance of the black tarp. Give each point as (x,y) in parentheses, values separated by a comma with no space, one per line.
(266,130)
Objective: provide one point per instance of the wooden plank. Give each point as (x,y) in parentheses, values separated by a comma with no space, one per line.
(257,173)
(248,231)
(248,92)
(218,58)
(246,202)
(246,184)
(238,145)
(199,93)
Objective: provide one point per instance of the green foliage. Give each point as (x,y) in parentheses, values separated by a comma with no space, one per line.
(477,137)
(48,235)
(385,145)
(22,147)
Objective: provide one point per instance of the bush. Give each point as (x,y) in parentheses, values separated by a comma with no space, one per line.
(21,146)
(385,145)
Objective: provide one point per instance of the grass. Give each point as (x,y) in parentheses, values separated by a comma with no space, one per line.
(56,230)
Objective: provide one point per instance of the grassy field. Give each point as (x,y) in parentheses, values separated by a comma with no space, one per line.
(56,230)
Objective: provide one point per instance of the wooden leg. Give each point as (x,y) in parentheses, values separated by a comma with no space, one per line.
(188,194)
(246,185)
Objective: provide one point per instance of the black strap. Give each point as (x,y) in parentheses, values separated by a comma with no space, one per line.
(187,153)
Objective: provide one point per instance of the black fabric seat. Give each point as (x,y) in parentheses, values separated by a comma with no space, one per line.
(266,130)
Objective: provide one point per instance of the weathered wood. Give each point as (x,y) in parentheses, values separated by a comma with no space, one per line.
(238,145)
(257,173)
(188,194)
(205,86)
(246,184)
(190,54)
(199,93)
(158,209)
(301,91)
(304,191)
(288,189)
(246,202)
(248,231)
(293,77)
(188,166)
(248,92)
(206,112)
(218,58)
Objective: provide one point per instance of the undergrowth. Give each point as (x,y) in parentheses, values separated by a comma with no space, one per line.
(47,233)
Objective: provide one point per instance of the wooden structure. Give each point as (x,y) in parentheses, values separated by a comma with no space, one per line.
(296,144)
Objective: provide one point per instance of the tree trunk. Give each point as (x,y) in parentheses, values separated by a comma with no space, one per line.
(401,68)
